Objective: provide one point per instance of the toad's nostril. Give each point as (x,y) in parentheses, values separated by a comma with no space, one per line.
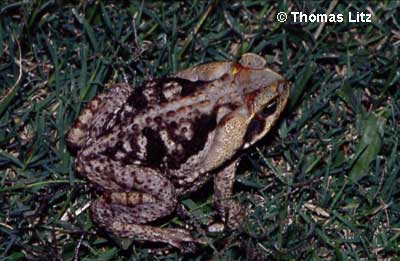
(283,87)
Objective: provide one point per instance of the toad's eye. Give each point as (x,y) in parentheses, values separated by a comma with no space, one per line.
(269,109)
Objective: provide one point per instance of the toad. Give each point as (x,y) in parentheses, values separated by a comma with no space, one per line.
(147,147)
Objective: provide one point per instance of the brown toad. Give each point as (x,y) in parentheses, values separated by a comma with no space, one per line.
(148,146)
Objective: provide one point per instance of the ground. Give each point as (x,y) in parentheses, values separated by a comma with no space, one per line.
(324,184)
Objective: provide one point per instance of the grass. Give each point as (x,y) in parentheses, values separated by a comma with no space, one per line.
(324,184)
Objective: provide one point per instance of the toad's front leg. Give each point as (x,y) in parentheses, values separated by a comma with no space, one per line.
(229,209)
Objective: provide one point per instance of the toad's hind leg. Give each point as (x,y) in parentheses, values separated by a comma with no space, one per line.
(125,215)
(97,113)
(144,195)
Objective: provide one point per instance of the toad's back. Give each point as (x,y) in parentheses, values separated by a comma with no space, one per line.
(166,122)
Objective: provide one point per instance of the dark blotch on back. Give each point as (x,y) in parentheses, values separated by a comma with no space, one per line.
(112,119)
(155,148)
(137,99)
(202,126)
(189,87)
(122,136)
